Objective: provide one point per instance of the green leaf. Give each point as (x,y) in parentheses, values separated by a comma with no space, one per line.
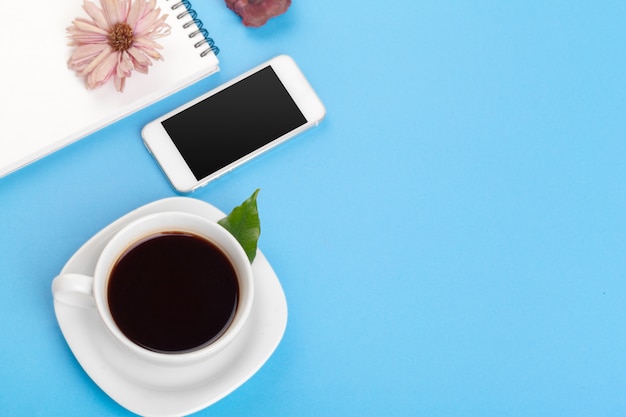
(244,224)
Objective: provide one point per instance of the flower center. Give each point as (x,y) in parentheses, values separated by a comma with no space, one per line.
(120,37)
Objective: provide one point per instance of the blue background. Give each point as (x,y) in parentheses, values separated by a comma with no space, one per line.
(451,239)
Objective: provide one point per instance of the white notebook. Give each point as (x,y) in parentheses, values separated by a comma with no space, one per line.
(46,106)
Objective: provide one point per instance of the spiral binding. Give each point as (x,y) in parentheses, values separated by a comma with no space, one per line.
(206,40)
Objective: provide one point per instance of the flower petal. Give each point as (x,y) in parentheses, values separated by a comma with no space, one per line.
(119,83)
(103,71)
(84,54)
(141,62)
(124,65)
(144,43)
(97,60)
(96,14)
(83,26)
(114,11)
(135,13)
(149,22)
(139,57)
(151,5)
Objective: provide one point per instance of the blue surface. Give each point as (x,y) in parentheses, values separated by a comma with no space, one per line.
(451,240)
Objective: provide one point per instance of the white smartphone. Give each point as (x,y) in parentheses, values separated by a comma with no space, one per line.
(241,119)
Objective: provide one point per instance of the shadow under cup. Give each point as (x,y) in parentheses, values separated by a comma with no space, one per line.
(176,290)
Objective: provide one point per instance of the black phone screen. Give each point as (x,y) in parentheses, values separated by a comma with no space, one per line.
(234,122)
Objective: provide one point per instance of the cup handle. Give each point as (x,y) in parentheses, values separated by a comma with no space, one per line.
(74,289)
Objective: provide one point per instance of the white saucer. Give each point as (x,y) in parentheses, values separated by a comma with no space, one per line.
(153,390)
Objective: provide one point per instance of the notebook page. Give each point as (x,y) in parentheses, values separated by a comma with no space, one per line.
(45,106)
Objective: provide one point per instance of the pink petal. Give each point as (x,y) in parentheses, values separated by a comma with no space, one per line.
(151,5)
(84,54)
(140,60)
(144,42)
(135,13)
(96,14)
(87,27)
(119,83)
(106,52)
(113,11)
(147,21)
(103,71)
(124,65)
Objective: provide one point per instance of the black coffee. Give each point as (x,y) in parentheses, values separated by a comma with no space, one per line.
(173,292)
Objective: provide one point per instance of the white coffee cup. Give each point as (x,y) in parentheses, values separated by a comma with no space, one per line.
(91,292)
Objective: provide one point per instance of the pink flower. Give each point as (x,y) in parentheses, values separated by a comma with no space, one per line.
(119,38)
(256,13)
